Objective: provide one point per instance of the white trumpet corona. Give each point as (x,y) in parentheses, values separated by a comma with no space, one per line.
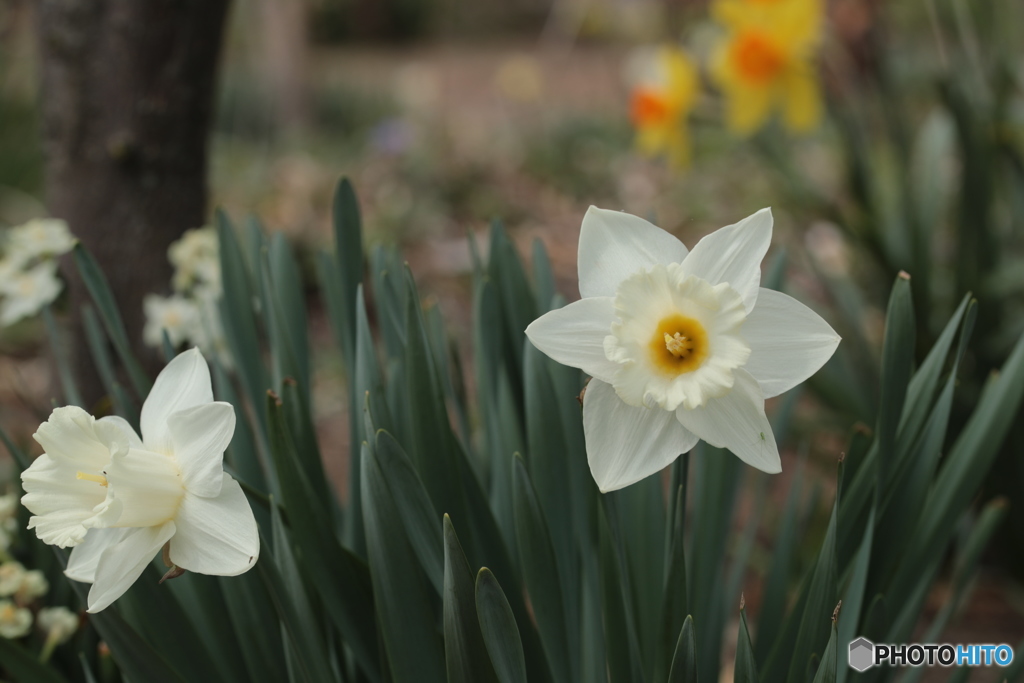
(682,345)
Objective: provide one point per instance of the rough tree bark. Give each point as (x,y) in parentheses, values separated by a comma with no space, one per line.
(127,96)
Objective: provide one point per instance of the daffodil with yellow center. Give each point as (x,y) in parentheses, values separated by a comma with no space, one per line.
(665,89)
(682,345)
(765,61)
(119,499)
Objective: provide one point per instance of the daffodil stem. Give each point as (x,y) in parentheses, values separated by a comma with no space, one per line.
(49,646)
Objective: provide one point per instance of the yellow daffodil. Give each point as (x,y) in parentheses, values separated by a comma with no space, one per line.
(765,62)
(665,87)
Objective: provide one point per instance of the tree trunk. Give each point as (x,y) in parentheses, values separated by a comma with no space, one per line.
(127,97)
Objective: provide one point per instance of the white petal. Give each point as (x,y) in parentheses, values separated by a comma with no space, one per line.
(121,425)
(788,342)
(733,254)
(63,506)
(122,563)
(184,383)
(626,443)
(737,421)
(200,435)
(216,535)
(69,435)
(574,335)
(86,555)
(614,245)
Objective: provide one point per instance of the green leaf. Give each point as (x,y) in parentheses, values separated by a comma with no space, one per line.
(537,559)
(621,632)
(830,660)
(684,661)
(280,572)
(965,467)
(853,598)
(716,476)
(549,474)
(366,393)
(348,246)
(543,277)
(418,515)
(518,304)
(21,665)
(203,603)
(622,653)
(465,651)
(745,668)
(190,653)
(289,292)
(777,581)
(925,381)
(99,289)
(255,623)
(674,606)
(966,564)
(236,314)
(136,658)
(404,608)
(498,629)
(431,441)
(341,579)
(897,362)
(821,598)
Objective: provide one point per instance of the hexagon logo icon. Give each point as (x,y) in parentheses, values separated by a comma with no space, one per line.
(862,654)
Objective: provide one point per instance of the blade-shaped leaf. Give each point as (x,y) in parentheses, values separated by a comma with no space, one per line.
(499,630)
(465,652)
(684,661)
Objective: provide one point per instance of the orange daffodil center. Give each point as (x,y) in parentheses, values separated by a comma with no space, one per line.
(679,345)
(650,107)
(682,345)
(756,57)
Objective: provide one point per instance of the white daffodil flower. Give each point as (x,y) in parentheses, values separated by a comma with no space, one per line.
(177,314)
(26,292)
(40,237)
(682,345)
(118,499)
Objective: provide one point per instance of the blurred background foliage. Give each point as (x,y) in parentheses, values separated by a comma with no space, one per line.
(449,113)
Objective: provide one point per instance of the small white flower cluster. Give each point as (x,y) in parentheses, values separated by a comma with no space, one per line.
(190,314)
(19,588)
(28,271)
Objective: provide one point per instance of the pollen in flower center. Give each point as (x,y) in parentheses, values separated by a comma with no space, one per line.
(102,481)
(679,345)
(756,57)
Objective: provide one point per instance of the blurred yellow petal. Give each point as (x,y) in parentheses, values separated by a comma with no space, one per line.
(762,61)
(748,108)
(666,85)
(801,99)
